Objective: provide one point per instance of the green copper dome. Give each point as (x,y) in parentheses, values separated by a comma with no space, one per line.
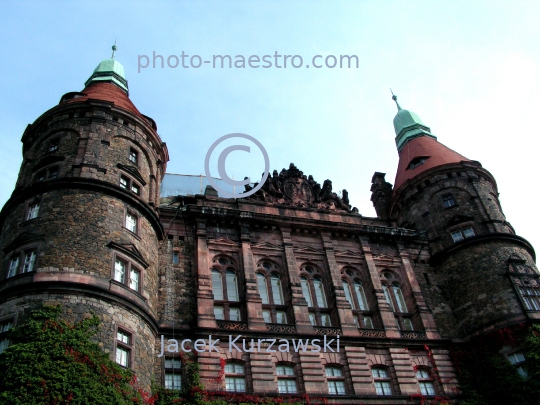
(408,125)
(109,71)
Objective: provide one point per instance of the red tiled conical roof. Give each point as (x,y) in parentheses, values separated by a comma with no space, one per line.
(424,146)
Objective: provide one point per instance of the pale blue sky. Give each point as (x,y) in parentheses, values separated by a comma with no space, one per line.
(470,69)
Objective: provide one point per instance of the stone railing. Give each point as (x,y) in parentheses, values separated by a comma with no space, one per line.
(232,325)
(281,328)
(409,334)
(376,333)
(327,330)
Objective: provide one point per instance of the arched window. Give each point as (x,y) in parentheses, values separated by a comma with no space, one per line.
(313,289)
(335,380)
(395,298)
(225,290)
(286,378)
(270,287)
(356,296)
(235,377)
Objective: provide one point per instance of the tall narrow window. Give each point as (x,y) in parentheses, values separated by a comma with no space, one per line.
(399,298)
(277,293)
(381,381)
(225,290)
(217,285)
(131,222)
(425,381)
(232,287)
(286,379)
(33,211)
(5,326)
(306,291)
(387,296)
(120,271)
(235,377)
(127,273)
(172,373)
(335,380)
(347,291)
(263,289)
(123,348)
(29,260)
(361,296)
(518,360)
(319,293)
(133,156)
(134,278)
(13,266)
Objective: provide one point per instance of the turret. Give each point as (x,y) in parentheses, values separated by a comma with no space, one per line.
(454,202)
(81,227)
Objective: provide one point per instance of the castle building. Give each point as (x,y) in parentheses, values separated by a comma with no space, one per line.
(305,295)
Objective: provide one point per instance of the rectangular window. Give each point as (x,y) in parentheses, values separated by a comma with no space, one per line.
(325,320)
(468,232)
(407,324)
(368,322)
(173,376)
(133,156)
(53,172)
(134,278)
(235,380)
(218,313)
(517,360)
(234,314)
(123,348)
(5,326)
(131,222)
(382,381)
(312,319)
(13,266)
(29,260)
(124,181)
(120,271)
(175,258)
(457,236)
(33,211)
(135,189)
(448,200)
(336,383)
(281,317)
(266,316)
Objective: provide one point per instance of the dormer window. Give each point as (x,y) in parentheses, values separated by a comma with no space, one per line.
(459,234)
(417,161)
(53,145)
(127,184)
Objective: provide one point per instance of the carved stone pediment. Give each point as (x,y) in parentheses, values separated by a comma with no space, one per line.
(292,187)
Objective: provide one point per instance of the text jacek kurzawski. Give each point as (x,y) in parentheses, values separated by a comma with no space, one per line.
(251,345)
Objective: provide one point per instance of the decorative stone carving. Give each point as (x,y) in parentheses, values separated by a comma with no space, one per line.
(381,193)
(292,187)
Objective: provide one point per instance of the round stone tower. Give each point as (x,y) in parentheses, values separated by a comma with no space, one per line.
(475,252)
(81,227)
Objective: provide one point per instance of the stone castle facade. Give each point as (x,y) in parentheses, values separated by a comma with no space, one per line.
(87,227)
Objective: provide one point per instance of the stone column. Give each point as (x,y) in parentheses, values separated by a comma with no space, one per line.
(299,303)
(385,310)
(425,314)
(205,297)
(348,327)
(253,299)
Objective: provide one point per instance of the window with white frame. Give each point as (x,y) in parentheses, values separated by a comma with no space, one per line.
(286,378)
(353,287)
(462,233)
(33,211)
(5,326)
(425,381)
(314,292)
(381,379)
(133,156)
(235,377)
(128,184)
(225,289)
(22,262)
(335,380)
(123,348)
(126,273)
(172,373)
(270,289)
(132,222)
(518,360)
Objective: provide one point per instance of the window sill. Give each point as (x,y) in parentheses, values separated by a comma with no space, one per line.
(132,233)
(30,221)
(125,287)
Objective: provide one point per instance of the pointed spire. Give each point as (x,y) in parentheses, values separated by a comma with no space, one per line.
(114,48)
(394,97)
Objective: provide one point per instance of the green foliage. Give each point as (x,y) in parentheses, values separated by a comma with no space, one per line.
(487,377)
(51,361)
